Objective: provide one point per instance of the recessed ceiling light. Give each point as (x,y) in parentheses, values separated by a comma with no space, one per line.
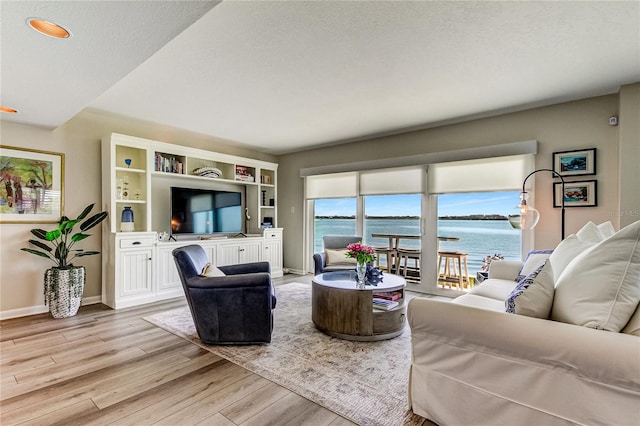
(48,28)
(8,110)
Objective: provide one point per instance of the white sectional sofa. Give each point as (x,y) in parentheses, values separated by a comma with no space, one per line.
(567,353)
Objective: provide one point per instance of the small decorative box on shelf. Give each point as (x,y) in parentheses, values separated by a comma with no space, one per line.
(265,179)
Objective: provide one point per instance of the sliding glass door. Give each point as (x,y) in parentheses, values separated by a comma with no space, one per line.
(333,216)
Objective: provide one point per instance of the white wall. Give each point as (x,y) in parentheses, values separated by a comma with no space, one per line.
(567,126)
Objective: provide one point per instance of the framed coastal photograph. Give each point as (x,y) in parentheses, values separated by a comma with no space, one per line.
(31,185)
(576,194)
(575,163)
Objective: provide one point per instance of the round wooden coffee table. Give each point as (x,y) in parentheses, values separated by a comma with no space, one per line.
(341,310)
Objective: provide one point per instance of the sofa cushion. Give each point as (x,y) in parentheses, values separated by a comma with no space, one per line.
(480,302)
(534,260)
(338,257)
(533,296)
(601,287)
(505,269)
(494,288)
(633,326)
(211,271)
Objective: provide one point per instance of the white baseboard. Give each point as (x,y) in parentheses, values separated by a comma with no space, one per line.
(24,312)
(41,309)
(296,271)
(91,300)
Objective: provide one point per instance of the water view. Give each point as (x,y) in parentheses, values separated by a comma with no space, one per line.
(478,238)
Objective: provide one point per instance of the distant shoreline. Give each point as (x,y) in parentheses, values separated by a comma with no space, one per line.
(468,217)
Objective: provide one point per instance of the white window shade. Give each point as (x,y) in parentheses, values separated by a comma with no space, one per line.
(482,175)
(405,180)
(334,185)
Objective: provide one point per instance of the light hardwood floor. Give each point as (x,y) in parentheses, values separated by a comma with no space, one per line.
(106,367)
(112,367)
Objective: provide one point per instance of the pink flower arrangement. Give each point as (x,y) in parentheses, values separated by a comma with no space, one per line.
(361,252)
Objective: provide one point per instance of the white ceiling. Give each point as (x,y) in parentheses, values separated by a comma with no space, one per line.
(288,75)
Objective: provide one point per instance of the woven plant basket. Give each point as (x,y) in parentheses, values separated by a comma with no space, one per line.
(63,290)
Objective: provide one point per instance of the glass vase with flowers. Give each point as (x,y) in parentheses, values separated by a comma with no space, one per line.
(364,255)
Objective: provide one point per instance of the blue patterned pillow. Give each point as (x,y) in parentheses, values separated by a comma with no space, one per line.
(519,289)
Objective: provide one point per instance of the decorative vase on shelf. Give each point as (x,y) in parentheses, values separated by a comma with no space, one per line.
(126,220)
(361,272)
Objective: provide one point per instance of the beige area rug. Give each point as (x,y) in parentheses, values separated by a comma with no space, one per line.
(365,382)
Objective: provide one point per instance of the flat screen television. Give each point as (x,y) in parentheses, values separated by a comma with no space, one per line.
(205,211)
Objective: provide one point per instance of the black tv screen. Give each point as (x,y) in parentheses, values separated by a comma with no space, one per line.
(205,211)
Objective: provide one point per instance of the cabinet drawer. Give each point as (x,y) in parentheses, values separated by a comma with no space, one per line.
(272,234)
(136,242)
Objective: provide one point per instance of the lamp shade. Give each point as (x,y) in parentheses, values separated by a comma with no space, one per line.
(529,217)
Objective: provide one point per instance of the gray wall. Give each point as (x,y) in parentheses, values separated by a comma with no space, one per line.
(574,125)
(567,126)
(21,274)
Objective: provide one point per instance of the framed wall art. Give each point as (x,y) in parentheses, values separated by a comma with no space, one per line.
(31,185)
(580,162)
(576,194)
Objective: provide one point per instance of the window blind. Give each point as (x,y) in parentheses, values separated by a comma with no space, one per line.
(334,185)
(481,175)
(404,180)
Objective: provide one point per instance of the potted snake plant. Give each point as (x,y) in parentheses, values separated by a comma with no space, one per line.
(64,282)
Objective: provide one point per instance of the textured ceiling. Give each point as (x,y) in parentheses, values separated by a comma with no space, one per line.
(284,76)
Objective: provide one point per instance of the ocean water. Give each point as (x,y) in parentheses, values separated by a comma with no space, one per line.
(478,238)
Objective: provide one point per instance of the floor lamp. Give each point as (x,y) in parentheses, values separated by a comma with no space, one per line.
(529,216)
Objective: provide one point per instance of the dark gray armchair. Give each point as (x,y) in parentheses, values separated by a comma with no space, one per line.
(334,242)
(231,309)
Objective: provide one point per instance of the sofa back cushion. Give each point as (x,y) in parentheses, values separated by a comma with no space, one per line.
(588,236)
(600,288)
(590,233)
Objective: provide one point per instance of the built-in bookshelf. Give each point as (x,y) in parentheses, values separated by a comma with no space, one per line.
(135,163)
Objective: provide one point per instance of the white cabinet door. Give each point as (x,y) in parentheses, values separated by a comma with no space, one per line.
(238,252)
(166,273)
(273,255)
(135,272)
(273,250)
(250,252)
(228,254)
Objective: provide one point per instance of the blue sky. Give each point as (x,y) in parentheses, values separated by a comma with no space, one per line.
(503,203)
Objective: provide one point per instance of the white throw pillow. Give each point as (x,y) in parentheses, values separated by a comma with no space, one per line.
(590,233)
(533,296)
(607,229)
(535,259)
(601,287)
(338,257)
(566,251)
(211,271)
